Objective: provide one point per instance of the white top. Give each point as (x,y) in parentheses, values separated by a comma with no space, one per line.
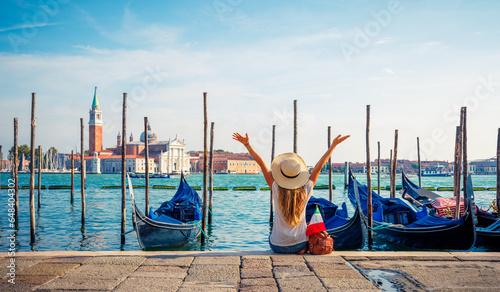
(282,233)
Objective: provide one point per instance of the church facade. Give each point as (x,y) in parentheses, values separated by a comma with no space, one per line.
(166,157)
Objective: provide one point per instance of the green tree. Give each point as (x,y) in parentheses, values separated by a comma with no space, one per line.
(23,149)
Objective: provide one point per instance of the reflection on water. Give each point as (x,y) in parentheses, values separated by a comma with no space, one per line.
(240,218)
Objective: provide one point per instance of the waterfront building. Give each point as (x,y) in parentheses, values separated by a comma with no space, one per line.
(167,157)
(95,126)
(239,163)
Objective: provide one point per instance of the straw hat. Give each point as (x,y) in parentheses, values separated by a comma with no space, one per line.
(289,171)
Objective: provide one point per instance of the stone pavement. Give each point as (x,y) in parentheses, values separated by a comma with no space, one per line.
(251,271)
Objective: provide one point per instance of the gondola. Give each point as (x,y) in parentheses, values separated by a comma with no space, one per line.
(175,223)
(488,224)
(397,222)
(348,233)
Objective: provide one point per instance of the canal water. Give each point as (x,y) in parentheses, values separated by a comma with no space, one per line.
(240,218)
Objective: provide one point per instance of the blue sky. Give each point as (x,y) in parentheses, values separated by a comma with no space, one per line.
(415,62)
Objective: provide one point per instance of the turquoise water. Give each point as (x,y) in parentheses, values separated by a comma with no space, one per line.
(240,222)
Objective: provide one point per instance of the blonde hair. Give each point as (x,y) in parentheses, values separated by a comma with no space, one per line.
(291,204)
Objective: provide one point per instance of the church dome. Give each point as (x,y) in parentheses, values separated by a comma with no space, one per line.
(151,135)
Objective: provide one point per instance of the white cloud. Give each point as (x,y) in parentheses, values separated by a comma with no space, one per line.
(388,71)
(26,26)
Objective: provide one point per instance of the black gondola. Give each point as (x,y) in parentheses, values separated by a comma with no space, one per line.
(397,222)
(167,229)
(488,224)
(348,233)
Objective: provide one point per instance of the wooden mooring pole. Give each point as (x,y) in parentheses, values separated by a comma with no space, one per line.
(378,168)
(394,165)
(457,170)
(465,166)
(346,175)
(82,171)
(124,166)
(211,174)
(295,126)
(72,177)
(15,175)
(146,143)
(419,164)
(369,180)
(32,170)
(39,176)
(205,169)
(271,217)
(330,188)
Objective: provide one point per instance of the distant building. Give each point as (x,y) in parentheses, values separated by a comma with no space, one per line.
(240,163)
(486,166)
(164,156)
(95,126)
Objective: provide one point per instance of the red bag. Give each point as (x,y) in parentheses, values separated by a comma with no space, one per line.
(320,243)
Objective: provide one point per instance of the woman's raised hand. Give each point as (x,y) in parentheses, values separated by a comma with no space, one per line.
(339,139)
(241,139)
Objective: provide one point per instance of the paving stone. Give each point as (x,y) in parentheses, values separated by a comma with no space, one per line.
(255,257)
(258,282)
(308,283)
(259,289)
(256,263)
(287,258)
(215,273)
(332,266)
(48,269)
(256,273)
(100,272)
(74,260)
(349,274)
(291,271)
(289,263)
(70,284)
(116,260)
(224,260)
(390,258)
(160,272)
(324,259)
(207,286)
(18,287)
(33,279)
(168,261)
(435,258)
(20,263)
(454,277)
(344,284)
(355,258)
(469,257)
(150,284)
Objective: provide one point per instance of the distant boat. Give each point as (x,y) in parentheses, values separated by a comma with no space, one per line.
(437,170)
(175,223)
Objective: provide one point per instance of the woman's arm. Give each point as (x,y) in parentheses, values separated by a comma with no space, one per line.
(265,170)
(317,168)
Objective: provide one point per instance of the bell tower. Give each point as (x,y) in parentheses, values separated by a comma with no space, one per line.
(95,126)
